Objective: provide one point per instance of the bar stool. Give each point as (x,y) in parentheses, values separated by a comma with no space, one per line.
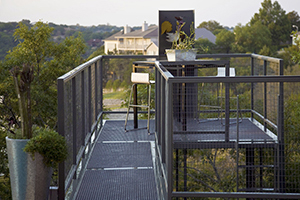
(140,78)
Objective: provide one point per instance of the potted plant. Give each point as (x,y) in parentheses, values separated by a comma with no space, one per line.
(182,43)
(32,151)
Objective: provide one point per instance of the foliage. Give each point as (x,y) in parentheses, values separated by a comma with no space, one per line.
(99,51)
(225,41)
(124,84)
(212,26)
(59,33)
(295,49)
(116,84)
(5,192)
(292,138)
(49,144)
(49,61)
(294,18)
(251,38)
(272,16)
(287,54)
(207,170)
(109,84)
(184,42)
(203,45)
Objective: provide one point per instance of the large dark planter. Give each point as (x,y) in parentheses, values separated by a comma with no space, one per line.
(30,179)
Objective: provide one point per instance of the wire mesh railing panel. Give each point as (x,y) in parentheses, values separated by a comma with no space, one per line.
(292,136)
(79,113)
(204,170)
(68,123)
(243,151)
(258,67)
(93,94)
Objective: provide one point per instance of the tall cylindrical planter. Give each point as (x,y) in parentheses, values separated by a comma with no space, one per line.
(38,178)
(30,179)
(17,160)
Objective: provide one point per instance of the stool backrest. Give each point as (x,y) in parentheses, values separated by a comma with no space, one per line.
(140,77)
(221,71)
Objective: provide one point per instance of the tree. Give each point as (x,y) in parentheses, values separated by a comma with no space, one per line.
(225,40)
(212,26)
(49,61)
(294,18)
(295,48)
(275,19)
(203,45)
(251,38)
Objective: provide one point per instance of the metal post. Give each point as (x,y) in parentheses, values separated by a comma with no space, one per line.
(169,139)
(252,87)
(61,131)
(96,93)
(163,117)
(281,133)
(83,116)
(74,123)
(227,104)
(237,144)
(265,96)
(135,114)
(89,99)
(101,89)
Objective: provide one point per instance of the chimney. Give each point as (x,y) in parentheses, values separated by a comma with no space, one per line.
(127,29)
(144,26)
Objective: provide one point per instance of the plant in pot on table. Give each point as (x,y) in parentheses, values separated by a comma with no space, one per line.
(32,151)
(182,43)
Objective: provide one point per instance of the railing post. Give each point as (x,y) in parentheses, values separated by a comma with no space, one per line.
(135,114)
(101,88)
(280,133)
(89,99)
(252,87)
(74,123)
(227,103)
(169,138)
(83,107)
(61,131)
(96,90)
(265,97)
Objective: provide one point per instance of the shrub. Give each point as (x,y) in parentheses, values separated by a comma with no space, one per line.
(116,84)
(109,84)
(49,144)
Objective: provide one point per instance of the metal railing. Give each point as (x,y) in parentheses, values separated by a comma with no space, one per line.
(80,117)
(187,147)
(259,82)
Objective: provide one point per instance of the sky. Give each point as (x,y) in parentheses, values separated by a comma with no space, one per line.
(132,12)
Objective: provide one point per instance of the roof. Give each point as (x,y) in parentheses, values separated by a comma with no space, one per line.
(204,33)
(152,43)
(152,31)
(113,37)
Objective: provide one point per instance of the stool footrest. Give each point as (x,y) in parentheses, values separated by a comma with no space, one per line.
(139,106)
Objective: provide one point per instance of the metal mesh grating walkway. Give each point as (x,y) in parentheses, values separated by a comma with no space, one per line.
(120,166)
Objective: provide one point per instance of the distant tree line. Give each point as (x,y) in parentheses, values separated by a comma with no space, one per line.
(59,33)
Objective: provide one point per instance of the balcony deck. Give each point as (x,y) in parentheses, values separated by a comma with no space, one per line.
(120,165)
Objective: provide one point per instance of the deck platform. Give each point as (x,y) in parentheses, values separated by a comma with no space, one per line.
(120,165)
(211,134)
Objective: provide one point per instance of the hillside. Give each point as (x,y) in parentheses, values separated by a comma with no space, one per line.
(93,35)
